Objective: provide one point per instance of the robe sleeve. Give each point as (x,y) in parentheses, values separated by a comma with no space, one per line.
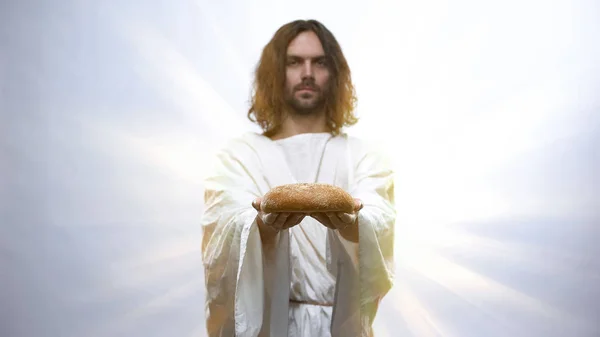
(229,231)
(373,183)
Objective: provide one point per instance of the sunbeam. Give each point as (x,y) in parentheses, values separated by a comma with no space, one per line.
(493,298)
(177,79)
(420,321)
(112,111)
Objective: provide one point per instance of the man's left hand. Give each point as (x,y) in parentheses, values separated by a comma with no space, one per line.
(345,223)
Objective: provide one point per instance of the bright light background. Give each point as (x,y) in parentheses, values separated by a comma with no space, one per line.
(489,110)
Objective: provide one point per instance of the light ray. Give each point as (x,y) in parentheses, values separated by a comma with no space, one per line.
(420,321)
(166,299)
(175,77)
(534,259)
(154,305)
(380,330)
(488,295)
(231,55)
(184,156)
(199,331)
(172,250)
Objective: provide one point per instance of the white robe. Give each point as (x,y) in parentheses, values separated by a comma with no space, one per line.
(308,282)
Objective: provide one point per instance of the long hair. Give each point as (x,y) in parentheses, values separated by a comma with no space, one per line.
(267,101)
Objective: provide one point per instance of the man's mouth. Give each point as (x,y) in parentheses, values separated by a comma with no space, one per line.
(306,89)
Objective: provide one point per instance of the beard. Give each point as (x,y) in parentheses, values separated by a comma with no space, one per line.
(306,103)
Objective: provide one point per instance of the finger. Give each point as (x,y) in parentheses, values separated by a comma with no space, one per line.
(293,220)
(296,218)
(323,219)
(358,205)
(270,218)
(256,204)
(337,223)
(280,220)
(345,217)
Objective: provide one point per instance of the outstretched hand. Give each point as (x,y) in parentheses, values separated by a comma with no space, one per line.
(346,223)
(270,224)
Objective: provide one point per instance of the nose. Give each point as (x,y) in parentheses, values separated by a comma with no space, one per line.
(307,70)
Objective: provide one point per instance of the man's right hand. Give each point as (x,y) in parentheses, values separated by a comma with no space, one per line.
(270,224)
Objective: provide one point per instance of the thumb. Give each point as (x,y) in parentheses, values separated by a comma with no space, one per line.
(256,203)
(358,205)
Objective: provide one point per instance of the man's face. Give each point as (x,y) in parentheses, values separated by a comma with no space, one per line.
(307,74)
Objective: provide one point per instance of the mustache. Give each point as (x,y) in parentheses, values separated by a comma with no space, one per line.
(308,84)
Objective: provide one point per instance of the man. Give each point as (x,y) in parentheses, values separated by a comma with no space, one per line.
(297,274)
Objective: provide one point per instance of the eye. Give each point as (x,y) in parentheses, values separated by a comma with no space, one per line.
(292,62)
(322,63)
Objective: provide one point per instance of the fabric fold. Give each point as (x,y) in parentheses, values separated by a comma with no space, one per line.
(248,283)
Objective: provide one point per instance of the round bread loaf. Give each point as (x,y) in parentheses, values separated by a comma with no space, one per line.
(304,197)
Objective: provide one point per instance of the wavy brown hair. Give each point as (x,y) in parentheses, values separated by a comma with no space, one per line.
(268,102)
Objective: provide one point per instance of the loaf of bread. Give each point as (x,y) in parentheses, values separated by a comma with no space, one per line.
(304,197)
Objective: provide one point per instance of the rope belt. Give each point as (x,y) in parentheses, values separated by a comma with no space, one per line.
(311,303)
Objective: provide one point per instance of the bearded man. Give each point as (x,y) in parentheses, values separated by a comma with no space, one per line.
(298,274)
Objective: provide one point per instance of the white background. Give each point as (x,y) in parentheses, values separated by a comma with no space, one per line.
(110,111)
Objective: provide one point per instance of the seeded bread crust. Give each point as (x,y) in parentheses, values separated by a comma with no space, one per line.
(304,197)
